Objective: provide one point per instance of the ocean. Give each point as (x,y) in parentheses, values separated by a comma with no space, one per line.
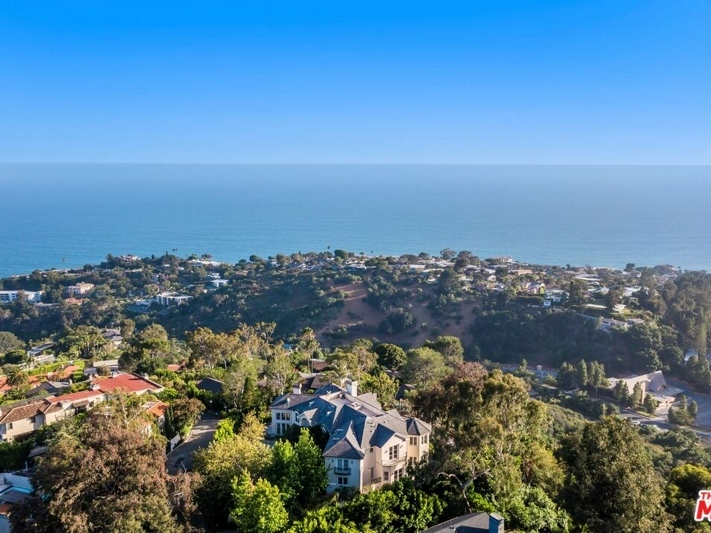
(62,216)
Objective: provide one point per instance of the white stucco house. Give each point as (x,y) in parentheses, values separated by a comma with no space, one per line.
(368,447)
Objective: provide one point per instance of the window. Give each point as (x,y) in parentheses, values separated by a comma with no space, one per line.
(413,441)
(386,476)
(343,481)
(33,419)
(9,426)
(393,452)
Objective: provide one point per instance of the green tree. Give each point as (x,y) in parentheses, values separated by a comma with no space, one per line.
(17,377)
(399,506)
(693,409)
(576,293)
(450,347)
(327,519)
(534,510)
(106,478)
(567,376)
(424,367)
(637,396)
(128,327)
(650,404)
(221,462)
(611,481)
(698,373)
(257,507)
(382,385)
(308,344)
(298,470)
(390,356)
(84,341)
(225,430)
(9,342)
(682,491)
(621,392)
(582,374)
(182,414)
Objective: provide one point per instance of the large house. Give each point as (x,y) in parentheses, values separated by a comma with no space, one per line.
(79,289)
(368,447)
(653,384)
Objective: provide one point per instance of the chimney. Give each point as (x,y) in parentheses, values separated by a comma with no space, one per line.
(296,388)
(352,387)
(496,523)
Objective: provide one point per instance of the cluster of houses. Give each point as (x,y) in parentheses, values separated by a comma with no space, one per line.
(24,417)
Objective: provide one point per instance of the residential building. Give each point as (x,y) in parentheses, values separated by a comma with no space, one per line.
(111,366)
(157,409)
(79,289)
(21,418)
(368,446)
(653,384)
(217,283)
(15,488)
(212,385)
(471,523)
(71,404)
(172,298)
(11,296)
(127,383)
(114,337)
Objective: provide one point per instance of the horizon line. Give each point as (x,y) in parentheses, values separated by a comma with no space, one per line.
(166,163)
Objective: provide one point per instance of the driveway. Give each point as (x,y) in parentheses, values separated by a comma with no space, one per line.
(181,458)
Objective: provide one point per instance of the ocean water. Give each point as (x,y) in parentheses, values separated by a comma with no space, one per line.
(58,216)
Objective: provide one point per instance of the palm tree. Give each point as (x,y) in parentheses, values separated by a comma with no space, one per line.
(17,377)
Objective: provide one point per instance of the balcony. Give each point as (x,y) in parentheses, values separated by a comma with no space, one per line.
(393,462)
(342,470)
(374,481)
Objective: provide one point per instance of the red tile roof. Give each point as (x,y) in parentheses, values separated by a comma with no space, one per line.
(158,409)
(76,396)
(22,411)
(131,383)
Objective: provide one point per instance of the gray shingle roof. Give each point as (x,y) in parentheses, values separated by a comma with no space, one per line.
(354,423)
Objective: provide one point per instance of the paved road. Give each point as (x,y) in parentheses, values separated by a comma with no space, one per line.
(201,435)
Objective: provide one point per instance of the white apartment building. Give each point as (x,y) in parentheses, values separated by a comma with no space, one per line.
(11,296)
(172,298)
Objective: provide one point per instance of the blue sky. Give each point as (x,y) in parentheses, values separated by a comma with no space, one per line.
(544,82)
